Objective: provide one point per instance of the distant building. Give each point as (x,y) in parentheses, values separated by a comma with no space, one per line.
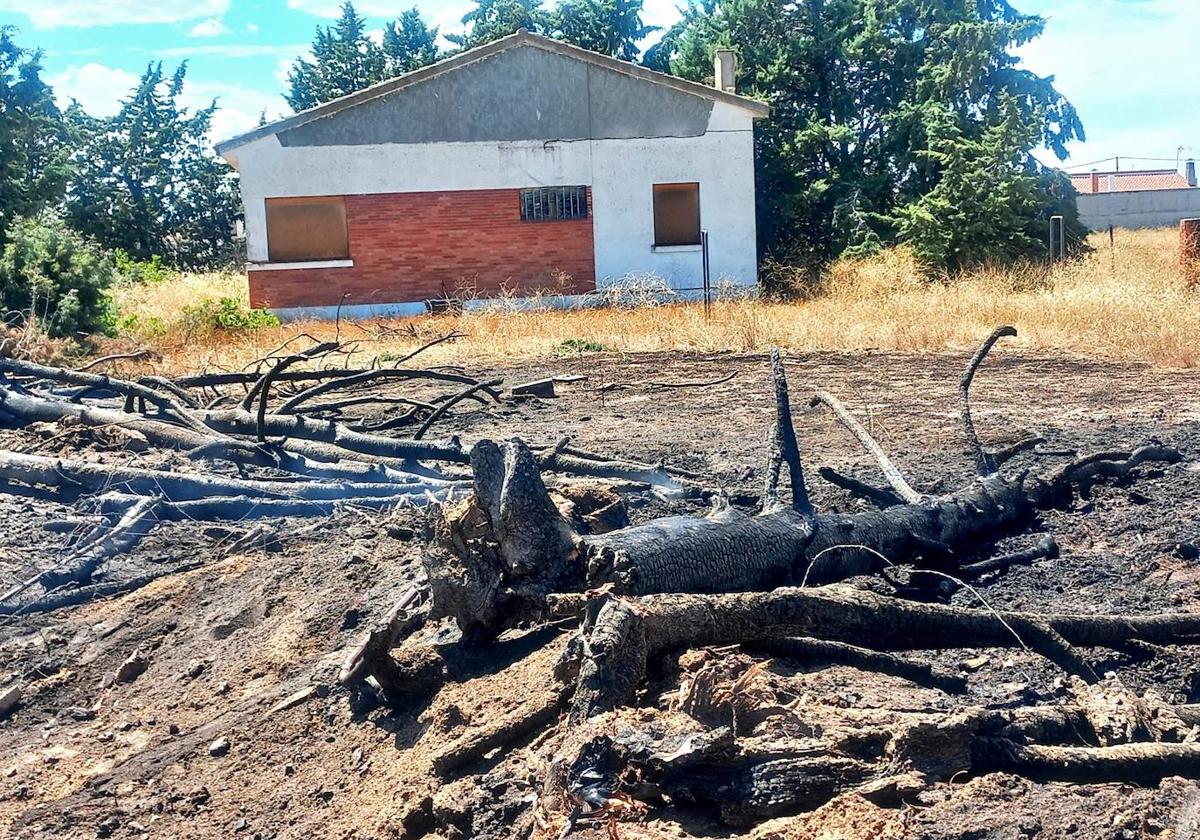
(523,166)
(1138,198)
(1134,180)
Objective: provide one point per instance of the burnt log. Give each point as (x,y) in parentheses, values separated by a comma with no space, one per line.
(627,633)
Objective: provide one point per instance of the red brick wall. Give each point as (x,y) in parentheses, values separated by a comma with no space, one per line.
(415,246)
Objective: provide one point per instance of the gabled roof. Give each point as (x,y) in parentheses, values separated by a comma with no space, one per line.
(1130,181)
(520,38)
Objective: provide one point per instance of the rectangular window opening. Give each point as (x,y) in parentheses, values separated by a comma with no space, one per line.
(307,229)
(551,204)
(676,214)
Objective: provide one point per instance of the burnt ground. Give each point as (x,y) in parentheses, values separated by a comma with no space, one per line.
(227,645)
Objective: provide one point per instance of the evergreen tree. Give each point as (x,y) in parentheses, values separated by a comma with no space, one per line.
(611,27)
(51,274)
(409,44)
(344,60)
(146,180)
(494,19)
(874,102)
(34,164)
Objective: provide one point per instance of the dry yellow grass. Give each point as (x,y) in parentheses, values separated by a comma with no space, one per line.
(1127,302)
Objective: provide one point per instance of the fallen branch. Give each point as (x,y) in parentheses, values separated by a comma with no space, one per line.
(438,412)
(166,403)
(889,470)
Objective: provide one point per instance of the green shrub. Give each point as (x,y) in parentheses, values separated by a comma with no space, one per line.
(50,273)
(581,345)
(148,327)
(225,314)
(131,271)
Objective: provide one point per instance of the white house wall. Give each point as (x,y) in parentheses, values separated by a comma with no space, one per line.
(621,173)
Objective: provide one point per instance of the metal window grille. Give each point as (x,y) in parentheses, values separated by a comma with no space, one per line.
(547,204)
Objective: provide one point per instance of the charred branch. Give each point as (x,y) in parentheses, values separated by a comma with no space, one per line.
(985,462)
(889,470)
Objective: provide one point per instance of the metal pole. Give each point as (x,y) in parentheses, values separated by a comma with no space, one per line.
(707,281)
(1056,222)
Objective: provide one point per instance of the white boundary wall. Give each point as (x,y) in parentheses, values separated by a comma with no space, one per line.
(1138,209)
(621,174)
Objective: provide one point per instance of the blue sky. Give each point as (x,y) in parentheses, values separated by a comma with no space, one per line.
(1130,66)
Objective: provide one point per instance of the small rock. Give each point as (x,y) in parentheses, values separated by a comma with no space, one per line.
(199,796)
(288,770)
(132,668)
(293,700)
(107,826)
(974,663)
(129,439)
(78,713)
(9,698)
(1186,551)
(195,668)
(537,388)
(399,532)
(223,687)
(172,729)
(219,747)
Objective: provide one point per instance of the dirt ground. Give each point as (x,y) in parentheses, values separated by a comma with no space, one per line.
(244,650)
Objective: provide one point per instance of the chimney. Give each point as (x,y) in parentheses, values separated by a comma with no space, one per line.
(1095,181)
(1190,170)
(725,70)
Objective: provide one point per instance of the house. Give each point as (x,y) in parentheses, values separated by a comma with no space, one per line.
(1134,180)
(523,166)
(1137,198)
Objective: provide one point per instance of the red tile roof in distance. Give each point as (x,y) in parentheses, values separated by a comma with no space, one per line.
(1144,179)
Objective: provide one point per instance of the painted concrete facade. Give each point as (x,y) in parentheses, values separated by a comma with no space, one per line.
(668,133)
(1139,209)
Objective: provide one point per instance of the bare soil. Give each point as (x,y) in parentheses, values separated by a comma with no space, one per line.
(245,648)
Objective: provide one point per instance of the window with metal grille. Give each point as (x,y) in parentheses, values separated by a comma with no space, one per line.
(548,204)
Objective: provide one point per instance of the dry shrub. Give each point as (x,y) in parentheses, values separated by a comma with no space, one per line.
(1128,302)
(28,341)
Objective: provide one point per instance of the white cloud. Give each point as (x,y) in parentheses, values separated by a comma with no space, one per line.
(210,28)
(238,107)
(84,13)
(100,89)
(252,28)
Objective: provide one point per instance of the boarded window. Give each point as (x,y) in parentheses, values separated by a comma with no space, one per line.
(547,204)
(676,214)
(303,229)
